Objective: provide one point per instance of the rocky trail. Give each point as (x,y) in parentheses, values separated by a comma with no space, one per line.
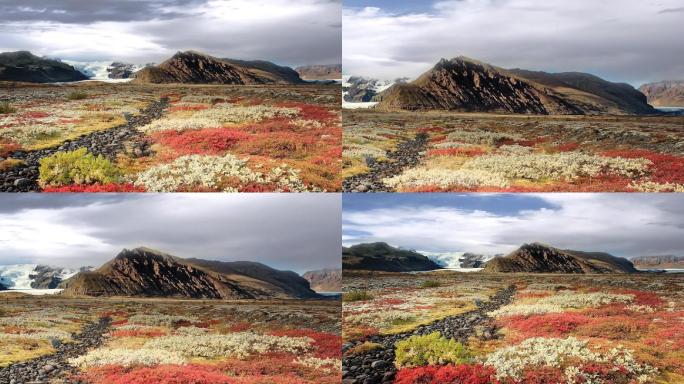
(377,366)
(55,368)
(108,143)
(407,155)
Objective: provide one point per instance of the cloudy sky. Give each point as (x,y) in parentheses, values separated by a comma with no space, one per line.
(633,41)
(286,231)
(622,224)
(290,32)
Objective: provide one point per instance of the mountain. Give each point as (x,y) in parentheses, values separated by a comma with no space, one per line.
(541,258)
(325,280)
(659,262)
(197,68)
(147,272)
(356,89)
(383,257)
(118,70)
(458,260)
(664,93)
(26,67)
(320,72)
(467,85)
(33,276)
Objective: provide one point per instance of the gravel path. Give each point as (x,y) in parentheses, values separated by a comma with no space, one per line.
(110,142)
(407,155)
(377,366)
(54,368)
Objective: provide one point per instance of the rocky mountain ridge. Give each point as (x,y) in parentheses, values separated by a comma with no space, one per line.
(383,257)
(541,258)
(466,85)
(325,280)
(320,72)
(151,273)
(659,262)
(665,93)
(26,67)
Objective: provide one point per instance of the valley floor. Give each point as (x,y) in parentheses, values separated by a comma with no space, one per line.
(441,151)
(164,138)
(451,327)
(54,339)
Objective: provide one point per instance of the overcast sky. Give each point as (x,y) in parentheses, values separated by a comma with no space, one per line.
(290,32)
(633,41)
(297,232)
(624,225)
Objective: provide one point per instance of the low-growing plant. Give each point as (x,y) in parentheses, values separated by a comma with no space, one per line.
(77,167)
(430,284)
(77,95)
(449,374)
(432,349)
(6,108)
(364,347)
(357,295)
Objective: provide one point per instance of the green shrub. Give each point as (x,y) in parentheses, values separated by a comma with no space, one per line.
(5,107)
(430,284)
(432,349)
(77,167)
(357,295)
(75,95)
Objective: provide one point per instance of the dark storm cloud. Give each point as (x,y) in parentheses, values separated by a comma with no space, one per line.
(86,12)
(297,232)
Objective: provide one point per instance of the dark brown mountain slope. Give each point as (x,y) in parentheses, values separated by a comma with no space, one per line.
(383,257)
(196,68)
(325,280)
(665,93)
(26,67)
(540,258)
(466,85)
(146,272)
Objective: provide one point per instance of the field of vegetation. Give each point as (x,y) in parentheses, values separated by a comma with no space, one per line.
(123,137)
(513,153)
(548,329)
(168,341)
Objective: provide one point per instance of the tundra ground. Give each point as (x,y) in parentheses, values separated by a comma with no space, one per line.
(450,327)
(163,138)
(53,339)
(442,151)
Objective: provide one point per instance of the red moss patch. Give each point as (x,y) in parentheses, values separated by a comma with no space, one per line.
(210,141)
(665,168)
(449,374)
(162,374)
(94,188)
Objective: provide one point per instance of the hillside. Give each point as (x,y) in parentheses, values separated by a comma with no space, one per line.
(320,72)
(147,272)
(664,93)
(325,280)
(467,85)
(659,262)
(197,68)
(25,67)
(540,258)
(383,257)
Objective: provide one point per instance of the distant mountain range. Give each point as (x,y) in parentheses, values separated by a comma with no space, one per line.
(541,258)
(325,280)
(659,262)
(383,257)
(665,93)
(26,67)
(466,85)
(320,72)
(34,276)
(150,273)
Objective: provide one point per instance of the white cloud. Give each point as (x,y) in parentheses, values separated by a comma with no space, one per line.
(627,225)
(622,40)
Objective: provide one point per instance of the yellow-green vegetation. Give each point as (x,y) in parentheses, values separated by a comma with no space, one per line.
(9,164)
(6,108)
(358,295)
(18,349)
(77,95)
(440,312)
(432,349)
(430,284)
(77,167)
(364,347)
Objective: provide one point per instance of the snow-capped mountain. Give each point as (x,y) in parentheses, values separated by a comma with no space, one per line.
(33,276)
(106,71)
(458,260)
(356,89)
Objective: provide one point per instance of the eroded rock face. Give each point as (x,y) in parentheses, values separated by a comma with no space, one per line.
(196,68)
(463,84)
(26,67)
(118,70)
(320,72)
(383,257)
(325,280)
(666,261)
(664,93)
(540,258)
